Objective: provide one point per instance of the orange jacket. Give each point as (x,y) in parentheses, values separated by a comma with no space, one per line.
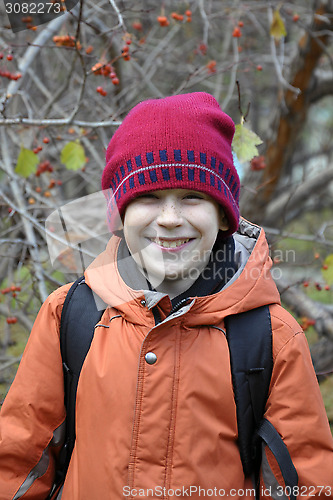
(166,430)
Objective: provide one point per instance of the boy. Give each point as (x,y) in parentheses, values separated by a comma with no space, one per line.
(155,409)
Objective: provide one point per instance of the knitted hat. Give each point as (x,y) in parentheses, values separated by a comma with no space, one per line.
(182,141)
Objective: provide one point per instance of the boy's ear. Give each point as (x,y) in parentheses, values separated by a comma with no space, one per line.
(224,223)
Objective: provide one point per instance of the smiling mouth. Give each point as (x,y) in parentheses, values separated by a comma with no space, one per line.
(170,243)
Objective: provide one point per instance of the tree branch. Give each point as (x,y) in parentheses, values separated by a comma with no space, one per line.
(302,305)
(278,210)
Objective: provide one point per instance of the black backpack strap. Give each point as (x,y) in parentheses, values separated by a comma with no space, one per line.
(249,336)
(78,320)
(273,440)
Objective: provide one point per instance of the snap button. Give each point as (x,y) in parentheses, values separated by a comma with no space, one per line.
(143,302)
(150,358)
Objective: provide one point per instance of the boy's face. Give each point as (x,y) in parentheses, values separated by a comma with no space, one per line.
(170,233)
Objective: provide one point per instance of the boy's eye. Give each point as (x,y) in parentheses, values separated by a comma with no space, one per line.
(147,195)
(193,196)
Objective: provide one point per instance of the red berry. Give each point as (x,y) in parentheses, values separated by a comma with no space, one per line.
(1,55)
(203,48)
(236,32)
(327,287)
(305,284)
(46,140)
(137,25)
(163,20)
(325,266)
(211,66)
(259,67)
(115,81)
(240,24)
(295,18)
(9,57)
(258,163)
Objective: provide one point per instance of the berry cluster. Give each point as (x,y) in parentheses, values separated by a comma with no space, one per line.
(101,91)
(66,41)
(211,66)
(164,21)
(28,21)
(7,74)
(318,286)
(176,16)
(105,70)
(44,166)
(125,50)
(11,289)
(307,322)
(11,320)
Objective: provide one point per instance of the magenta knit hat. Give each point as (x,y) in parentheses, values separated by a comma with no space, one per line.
(182,141)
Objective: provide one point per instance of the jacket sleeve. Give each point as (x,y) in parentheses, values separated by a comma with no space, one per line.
(33,412)
(296,410)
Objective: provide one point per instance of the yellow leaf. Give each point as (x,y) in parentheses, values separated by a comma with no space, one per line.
(278,29)
(27,162)
(73,155)
(245,142)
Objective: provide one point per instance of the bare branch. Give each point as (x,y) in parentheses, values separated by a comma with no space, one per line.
(58,122)
(296,198)
(320,89)
(302,305)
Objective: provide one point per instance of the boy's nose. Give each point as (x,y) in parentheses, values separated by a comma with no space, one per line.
(170,215)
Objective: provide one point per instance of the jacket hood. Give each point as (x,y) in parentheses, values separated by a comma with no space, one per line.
(251,286)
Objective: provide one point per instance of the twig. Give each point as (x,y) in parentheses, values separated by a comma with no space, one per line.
(277,65)
(10,363)
(295,236)
(233,75)
(205,22)
(58,122)
(121,23)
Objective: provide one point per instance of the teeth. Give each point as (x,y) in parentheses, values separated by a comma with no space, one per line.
(170,244)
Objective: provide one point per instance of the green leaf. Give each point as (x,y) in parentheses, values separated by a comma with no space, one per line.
(327,269)
(278,29)
(73,156)
(27,162)
(245,142)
